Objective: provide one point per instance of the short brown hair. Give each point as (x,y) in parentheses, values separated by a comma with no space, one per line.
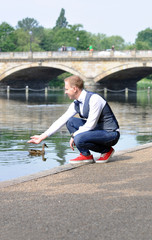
(75,81)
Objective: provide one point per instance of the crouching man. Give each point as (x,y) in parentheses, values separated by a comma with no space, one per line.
(97,128)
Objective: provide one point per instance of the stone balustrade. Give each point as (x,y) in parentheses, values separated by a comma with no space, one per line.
(77,54)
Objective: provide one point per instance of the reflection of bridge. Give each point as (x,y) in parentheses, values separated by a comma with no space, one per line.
(29,117)
(115,70)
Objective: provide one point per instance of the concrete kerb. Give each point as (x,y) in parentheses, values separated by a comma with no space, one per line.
(42,174)
(63,168)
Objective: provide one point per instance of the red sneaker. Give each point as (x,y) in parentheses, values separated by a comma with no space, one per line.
(81,158)
(105,156)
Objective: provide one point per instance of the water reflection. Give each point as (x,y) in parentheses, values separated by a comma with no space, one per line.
(19,119)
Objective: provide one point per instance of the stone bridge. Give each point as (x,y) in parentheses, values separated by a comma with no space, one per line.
(111,69)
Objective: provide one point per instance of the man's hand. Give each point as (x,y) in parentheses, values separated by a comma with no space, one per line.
(37,138)
(72,143)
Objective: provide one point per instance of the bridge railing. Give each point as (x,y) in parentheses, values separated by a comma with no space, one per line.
(77,54)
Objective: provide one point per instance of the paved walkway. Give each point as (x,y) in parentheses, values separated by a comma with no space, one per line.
(111,201)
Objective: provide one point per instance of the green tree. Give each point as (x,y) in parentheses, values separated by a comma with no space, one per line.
(130,46)
(144,39)
(7,37)
(33,35)
(117,41)
(61,21)
(24,42)
(47,43)
(51,40)
(71,36)
(142,45)
(59,80)
(28,24)
(102,42)
(95,40)
(79,37)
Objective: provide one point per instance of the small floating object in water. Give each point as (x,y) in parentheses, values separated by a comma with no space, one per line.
(36,152)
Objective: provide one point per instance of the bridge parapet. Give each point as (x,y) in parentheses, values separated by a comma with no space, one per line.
(76,54)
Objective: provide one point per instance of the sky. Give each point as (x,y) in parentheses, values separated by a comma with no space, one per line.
(109,17)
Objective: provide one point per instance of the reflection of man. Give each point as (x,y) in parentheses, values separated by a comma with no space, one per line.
(97,128)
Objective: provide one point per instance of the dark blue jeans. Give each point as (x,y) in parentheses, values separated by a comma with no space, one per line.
(96,140)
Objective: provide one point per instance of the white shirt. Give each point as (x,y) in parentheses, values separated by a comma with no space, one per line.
(96,105)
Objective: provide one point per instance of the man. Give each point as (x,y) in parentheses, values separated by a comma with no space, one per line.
(97,128)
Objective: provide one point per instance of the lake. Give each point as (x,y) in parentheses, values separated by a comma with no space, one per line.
(21,117)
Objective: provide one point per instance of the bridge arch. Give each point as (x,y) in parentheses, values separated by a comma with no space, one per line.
(21,67)
(123,67)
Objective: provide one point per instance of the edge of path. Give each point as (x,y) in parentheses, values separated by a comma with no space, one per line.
(63,168)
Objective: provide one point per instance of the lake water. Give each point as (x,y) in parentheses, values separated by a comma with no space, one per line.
(21,117)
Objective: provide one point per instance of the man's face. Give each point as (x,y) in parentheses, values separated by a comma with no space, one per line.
(70,91)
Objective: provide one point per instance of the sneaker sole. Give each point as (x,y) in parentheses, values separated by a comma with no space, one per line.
(82,161)
(104,161)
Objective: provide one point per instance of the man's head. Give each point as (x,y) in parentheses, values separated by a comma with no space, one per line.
(73,86)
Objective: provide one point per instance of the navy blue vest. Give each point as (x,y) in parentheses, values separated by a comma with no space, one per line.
(107,120)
